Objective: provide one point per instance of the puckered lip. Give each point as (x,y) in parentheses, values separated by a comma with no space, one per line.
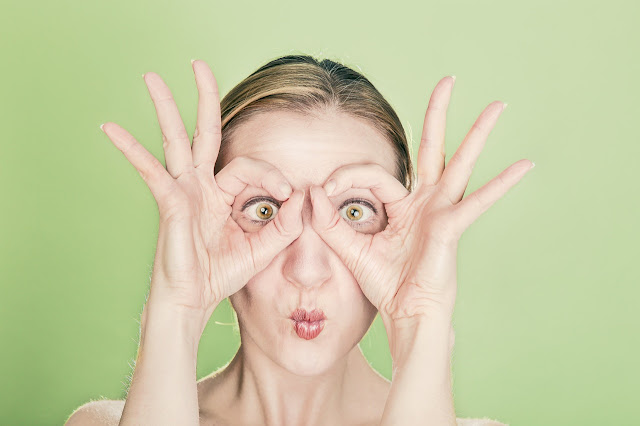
(304,315)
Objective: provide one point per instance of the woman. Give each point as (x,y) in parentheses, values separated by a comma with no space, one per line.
(298,201)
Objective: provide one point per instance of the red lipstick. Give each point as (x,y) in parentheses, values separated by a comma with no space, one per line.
(308,324)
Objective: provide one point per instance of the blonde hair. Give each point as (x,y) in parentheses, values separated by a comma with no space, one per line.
(302,84)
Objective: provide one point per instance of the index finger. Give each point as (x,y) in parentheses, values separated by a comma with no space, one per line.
(384,186)
(243,171)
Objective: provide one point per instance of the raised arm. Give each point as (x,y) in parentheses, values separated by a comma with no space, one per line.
(202,255)
(408,271)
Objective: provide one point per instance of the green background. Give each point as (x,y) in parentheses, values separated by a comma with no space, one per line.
(546,317)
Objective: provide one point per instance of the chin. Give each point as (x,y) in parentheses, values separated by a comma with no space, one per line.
(308,367)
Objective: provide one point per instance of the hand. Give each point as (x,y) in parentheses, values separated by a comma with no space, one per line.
(203,256)
(409,269)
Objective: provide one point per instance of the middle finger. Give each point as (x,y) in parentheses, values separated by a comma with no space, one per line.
(206,138)
(175,140)
(457,172)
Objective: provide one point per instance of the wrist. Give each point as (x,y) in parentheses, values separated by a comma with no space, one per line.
(164,321)
(404,334)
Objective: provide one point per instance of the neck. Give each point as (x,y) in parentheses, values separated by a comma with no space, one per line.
(266,393)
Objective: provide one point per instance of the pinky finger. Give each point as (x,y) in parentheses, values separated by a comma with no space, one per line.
(152,171)
(471,207)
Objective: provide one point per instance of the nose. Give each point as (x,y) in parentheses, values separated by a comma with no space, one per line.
(307,259)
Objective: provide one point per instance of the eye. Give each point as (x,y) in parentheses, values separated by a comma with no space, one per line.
(357,211)
(261,209)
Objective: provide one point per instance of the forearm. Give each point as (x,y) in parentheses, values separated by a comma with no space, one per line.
(421,388)
(163,389)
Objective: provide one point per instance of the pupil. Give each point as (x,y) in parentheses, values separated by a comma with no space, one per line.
(264,211)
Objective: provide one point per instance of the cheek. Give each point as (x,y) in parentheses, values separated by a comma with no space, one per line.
(262,297)
(357,309)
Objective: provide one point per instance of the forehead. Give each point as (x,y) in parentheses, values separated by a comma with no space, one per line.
(307,149)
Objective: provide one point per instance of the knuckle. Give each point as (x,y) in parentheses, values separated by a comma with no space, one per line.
(459,161)
(240,161)
(502,181)
(211,130)
(272,174)
(168,139)
(478,128)
(475,197)
(378,169)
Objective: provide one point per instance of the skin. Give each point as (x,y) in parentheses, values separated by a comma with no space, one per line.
(285,379)
(402,265)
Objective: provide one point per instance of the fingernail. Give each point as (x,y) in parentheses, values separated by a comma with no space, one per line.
(532,165)
(143,75)
(454,79)
(286,189)
(101,127)
(504,105)
(192,61)
(330,186)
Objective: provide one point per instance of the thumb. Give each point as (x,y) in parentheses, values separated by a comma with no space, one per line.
(279,232)
(345,241)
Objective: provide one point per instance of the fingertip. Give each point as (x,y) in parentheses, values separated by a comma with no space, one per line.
(321,213)
(285,189)
(298,199)
(314,191)
(330,186)
(291,218)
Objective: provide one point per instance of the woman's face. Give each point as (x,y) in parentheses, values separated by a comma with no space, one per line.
(307,274)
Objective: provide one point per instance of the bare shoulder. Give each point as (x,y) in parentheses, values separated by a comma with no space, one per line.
(479,422)
(104,412)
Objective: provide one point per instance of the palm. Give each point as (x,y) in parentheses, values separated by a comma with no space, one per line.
(202,254)
(409,255)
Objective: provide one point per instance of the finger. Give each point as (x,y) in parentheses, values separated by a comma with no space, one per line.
(458,171)
(345,241)
(431,153)
(152,171)
(175,141)
(279,232)
(243,171)
(472,206)
(384,186)
(207,136)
